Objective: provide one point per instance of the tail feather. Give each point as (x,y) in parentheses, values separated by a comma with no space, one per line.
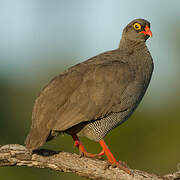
(36,138)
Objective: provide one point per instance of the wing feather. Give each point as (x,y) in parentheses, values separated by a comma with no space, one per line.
(85,92)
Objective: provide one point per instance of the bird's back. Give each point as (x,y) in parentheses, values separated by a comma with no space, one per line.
(93,83)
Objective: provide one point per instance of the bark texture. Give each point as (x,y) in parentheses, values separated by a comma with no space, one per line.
(18,155)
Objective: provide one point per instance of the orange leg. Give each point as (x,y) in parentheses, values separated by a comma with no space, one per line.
(111,158)
(82,150)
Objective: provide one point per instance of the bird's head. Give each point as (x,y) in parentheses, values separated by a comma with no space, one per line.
(137,30)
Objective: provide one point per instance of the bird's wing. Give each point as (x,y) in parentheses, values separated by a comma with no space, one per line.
(82,93)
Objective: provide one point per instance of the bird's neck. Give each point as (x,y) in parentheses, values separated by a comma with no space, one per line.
(130,45)
(139,59)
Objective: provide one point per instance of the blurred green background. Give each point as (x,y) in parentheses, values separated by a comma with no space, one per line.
(39,39)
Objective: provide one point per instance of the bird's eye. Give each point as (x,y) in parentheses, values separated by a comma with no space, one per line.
(137,26)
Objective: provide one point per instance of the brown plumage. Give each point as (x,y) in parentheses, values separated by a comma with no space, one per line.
(93,97)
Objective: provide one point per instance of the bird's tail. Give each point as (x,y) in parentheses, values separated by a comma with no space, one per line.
(36,138)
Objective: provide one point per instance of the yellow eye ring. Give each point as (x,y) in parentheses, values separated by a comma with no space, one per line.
(137,26)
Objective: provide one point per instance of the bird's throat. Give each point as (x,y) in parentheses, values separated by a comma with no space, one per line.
(129,45)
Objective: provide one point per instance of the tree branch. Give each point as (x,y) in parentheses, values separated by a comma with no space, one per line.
(18,155)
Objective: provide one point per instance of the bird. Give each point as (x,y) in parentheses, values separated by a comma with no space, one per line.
(95,96)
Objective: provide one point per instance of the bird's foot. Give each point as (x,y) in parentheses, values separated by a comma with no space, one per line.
(84,153)
(90,155)
(112,160)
